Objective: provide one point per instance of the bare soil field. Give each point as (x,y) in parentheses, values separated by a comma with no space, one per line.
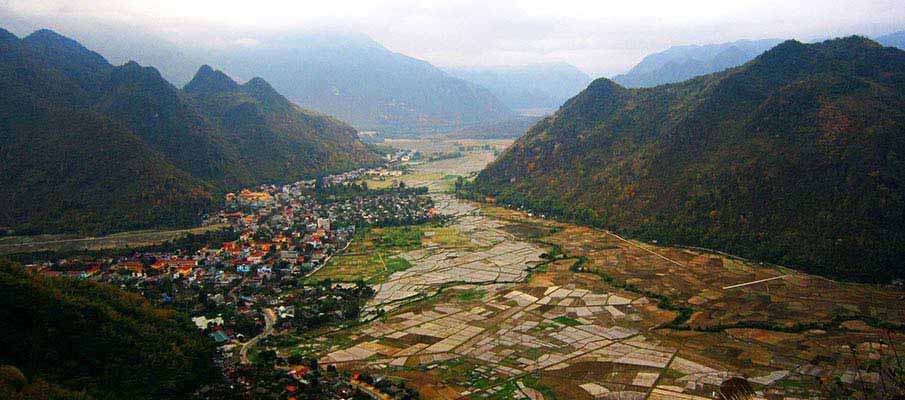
(533,308)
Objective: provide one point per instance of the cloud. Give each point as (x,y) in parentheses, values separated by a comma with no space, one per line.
(602,37)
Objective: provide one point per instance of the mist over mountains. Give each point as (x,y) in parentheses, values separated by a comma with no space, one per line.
(535,89)
(680,63)
(356,79)
(895,39)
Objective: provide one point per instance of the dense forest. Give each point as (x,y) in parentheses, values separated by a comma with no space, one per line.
(795,158)
(90,340)
(89,147)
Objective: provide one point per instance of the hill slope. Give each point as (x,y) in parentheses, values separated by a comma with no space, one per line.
(97,339)
(530,89)
(795,157)
(679,63)
(276,137)
(66,166)
(90,147)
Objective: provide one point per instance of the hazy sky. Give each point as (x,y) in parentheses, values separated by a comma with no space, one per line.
(601,37)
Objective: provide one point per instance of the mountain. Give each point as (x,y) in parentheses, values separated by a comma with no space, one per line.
(794,158)
(896,39)
(530,90)
(277,138)
(679,63)
(91,147)
(358,80)
(66,166)
(96,341)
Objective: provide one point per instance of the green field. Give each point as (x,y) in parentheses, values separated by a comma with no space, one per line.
(372,256)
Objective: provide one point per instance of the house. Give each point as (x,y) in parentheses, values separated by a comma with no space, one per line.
(133,266)
(323,223)
(256,257)
(203,322)
(219,337)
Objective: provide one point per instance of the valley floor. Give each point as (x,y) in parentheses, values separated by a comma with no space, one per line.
(502,304)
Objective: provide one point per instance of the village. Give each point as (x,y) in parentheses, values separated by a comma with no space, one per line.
(246,275)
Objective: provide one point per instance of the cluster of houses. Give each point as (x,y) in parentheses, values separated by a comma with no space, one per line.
(275,237)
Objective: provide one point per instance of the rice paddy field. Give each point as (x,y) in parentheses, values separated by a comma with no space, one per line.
(501,304)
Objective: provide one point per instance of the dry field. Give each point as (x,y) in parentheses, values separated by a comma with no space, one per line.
(480,315)
(63,243)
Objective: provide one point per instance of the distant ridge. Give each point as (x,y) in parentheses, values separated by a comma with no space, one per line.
(354,78)
(680,63)
(529,89)
(793,158)
(896,39)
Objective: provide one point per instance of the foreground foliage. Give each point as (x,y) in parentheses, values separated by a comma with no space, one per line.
(95,338)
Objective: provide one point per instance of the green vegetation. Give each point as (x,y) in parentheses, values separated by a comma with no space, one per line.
(401,238)
(322,304)
(470,294)
(795,158)
(14,385)
(393,264)
(532,382)
(372,256)
(96,338)
(567,321)
(189,243)
(94,148)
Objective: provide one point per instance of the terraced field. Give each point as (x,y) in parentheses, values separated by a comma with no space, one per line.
(501,304)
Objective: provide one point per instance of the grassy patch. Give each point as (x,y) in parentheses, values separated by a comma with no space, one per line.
(567,321)
(470,295)
(373,255)
(532,382)
(507,391)
(393,264)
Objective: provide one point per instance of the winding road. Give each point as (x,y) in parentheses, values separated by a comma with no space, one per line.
(269,319)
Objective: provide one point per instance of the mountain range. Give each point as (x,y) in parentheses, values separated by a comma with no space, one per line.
(895,39)
(356,79)
(796,157)
(679,63)
(92,147)
(533,90)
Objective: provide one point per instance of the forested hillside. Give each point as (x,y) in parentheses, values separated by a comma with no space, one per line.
(90,147)
(79,339)
(795,158)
